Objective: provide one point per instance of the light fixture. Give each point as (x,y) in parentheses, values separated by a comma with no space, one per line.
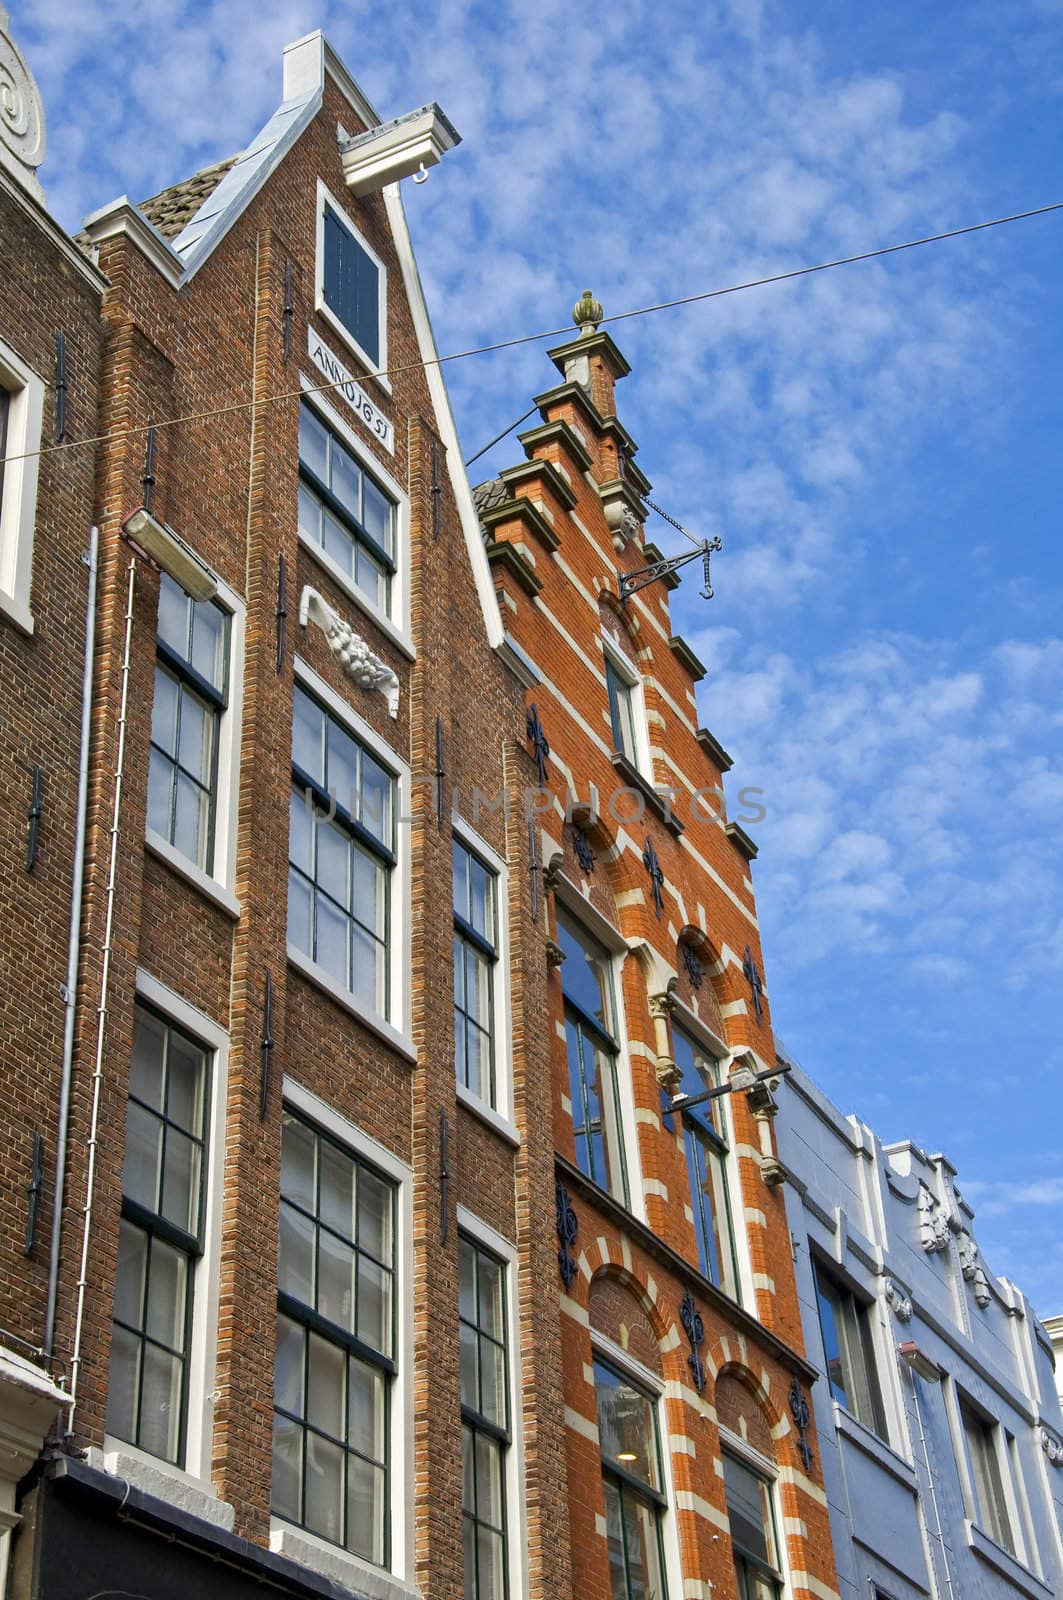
(626,1455)
(919,1361)
(169,551)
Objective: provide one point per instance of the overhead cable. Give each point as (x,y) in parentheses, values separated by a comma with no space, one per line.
(533,338)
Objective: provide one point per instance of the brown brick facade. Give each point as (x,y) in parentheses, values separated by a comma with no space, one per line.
(219,344)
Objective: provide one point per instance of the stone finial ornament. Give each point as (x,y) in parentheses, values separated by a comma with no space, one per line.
(21,115)
(587,313)
(350,649)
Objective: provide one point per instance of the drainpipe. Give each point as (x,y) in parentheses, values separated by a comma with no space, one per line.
(69,989)
(101,1009)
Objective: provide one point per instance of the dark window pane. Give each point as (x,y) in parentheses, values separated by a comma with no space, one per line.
(626,1424)
(313,443)
(123,1384)
(287,1492)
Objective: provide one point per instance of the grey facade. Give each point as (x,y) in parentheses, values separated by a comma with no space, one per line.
(938,1419)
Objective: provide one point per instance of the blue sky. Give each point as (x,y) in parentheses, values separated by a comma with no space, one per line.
(878,447)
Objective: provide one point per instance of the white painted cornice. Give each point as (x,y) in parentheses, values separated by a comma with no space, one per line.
(122,219)
(396,149)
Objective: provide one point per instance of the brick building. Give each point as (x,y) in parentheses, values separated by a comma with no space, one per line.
(366,1233)
(693,1466)
(49,366)
(280,1205)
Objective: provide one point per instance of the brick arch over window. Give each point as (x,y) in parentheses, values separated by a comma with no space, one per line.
(602,1258)
(623,629)
(745,1407)
(618,1313)
(707,998)
(600,883)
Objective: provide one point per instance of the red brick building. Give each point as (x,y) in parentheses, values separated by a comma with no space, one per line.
(383,1263)
(49,382)
(691,1465)
(281,1206)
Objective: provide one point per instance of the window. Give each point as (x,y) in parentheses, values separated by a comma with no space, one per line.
(631,1470)
(982,1442)
(344,511)
(352,284)
(475,957)
(706,1153)
(161,1237)
(21,418)
(485,1432)
(622,694)
(191,693)
(594,1089)
(754,1537)
(849,1351)
(341,854)
(335,1343)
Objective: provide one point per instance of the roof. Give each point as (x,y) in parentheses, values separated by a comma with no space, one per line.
(486,496)
(171,209)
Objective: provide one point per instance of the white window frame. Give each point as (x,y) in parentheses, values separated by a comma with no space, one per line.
(500,1116)
(958,1398)
(690,1023)
(615,658)
(394,1030)
(219,884)
(203,1346)
(624,1362)
(774,1475)
(396,624)
(580,909)
(18,508)
(377,369)
(287,1538)
(516,1520)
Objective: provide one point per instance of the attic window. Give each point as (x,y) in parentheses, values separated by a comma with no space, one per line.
(351,284)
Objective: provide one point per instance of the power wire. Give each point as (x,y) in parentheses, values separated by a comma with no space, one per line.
(548,333)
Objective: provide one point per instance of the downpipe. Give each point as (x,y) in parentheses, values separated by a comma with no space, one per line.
(101,1009)
(69,992)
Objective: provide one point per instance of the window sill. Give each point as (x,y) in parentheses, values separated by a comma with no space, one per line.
(994,1555)
(657,803)
(487,1114)
(164,1481)
(209,887)
(873,1445)
(349,1571)
(350,1003)
(16,613)
(394,634)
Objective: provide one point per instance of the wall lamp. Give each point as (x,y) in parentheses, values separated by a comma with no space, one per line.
(919,1361)
(168,551)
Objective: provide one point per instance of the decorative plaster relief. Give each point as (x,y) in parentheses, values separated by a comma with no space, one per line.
(21,115)
(970,1265)
(350,649)
(933,1222)
(1052,1447)
(901,1302)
